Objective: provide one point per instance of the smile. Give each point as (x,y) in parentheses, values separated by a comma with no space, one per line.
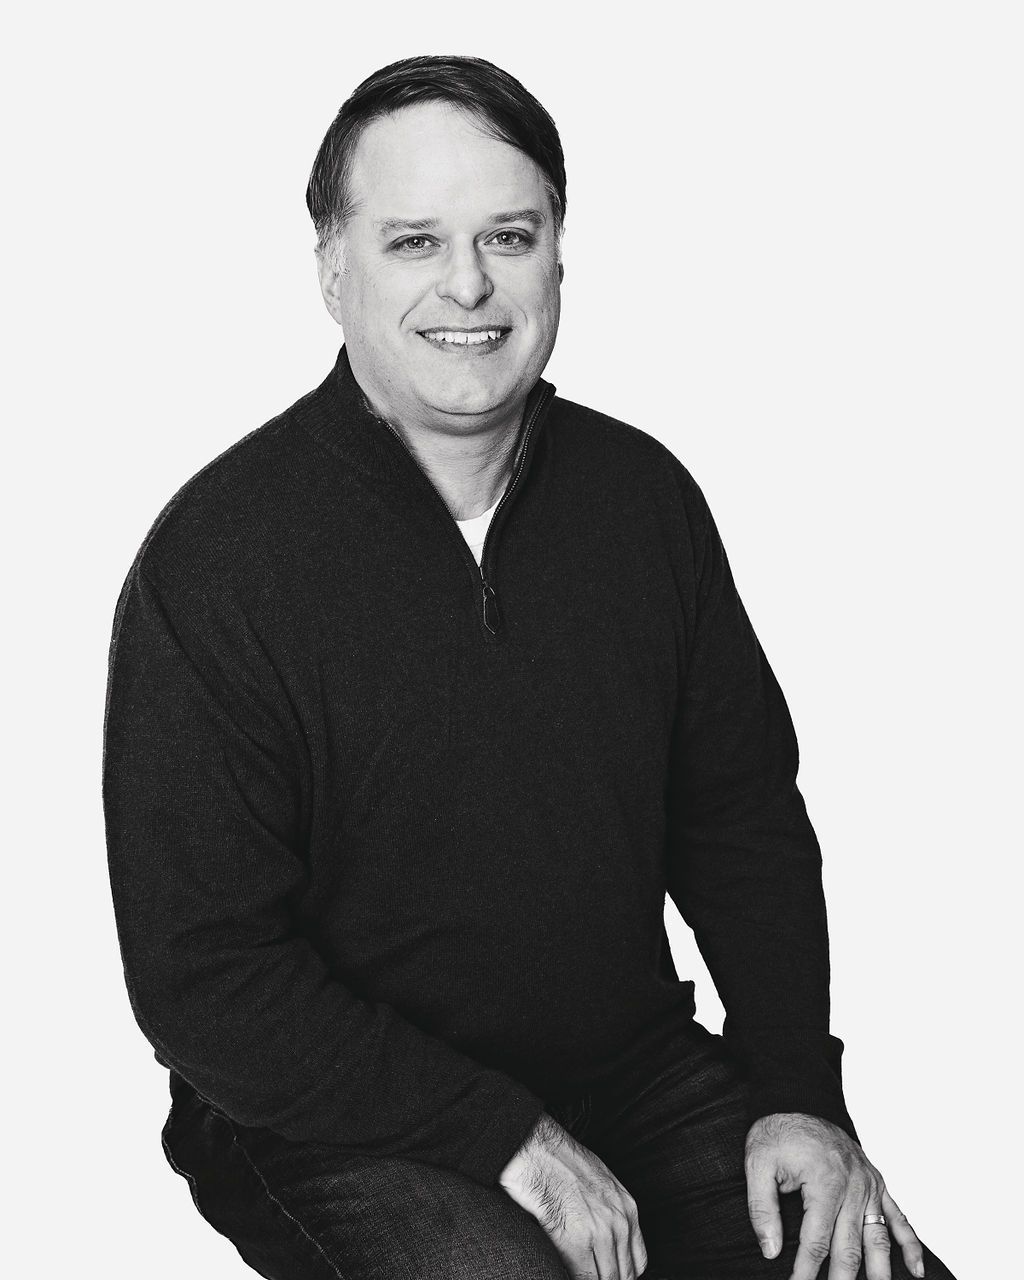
(486,338)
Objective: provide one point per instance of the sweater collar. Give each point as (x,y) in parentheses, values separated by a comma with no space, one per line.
(342,421)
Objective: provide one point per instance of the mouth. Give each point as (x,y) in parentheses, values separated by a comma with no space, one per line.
(481,340)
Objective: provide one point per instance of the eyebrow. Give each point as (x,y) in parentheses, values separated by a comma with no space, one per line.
(387,225)
(533,216)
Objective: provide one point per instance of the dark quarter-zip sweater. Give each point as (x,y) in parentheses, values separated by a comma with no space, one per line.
(390,833)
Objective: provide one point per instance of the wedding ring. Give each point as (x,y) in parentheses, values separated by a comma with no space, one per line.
(871,1218)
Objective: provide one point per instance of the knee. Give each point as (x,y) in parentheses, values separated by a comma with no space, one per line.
(508,1260)
(505,1243)
(455,1229)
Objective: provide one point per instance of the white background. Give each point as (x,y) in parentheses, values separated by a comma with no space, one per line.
(793,252)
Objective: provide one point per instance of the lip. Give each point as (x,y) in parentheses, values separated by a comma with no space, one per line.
(466,348)
(461,328)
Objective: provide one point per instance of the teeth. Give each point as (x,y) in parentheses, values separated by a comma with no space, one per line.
(463,339)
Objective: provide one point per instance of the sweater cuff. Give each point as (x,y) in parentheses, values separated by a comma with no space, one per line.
(502,1137)
(807,1102)
(794,1071)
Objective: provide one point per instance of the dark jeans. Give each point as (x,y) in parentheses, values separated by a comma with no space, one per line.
(668,1119)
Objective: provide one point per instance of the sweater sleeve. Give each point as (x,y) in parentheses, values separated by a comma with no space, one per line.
(204,792)
(744,861)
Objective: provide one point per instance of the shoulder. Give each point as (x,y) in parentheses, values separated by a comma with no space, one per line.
(606,447)
(227,517)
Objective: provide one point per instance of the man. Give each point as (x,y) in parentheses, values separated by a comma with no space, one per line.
(421,697)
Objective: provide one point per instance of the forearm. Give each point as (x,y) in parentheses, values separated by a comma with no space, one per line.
(269,1037)
(204,794)
(744,864)
(749,885)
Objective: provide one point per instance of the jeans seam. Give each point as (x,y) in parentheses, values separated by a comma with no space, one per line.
(193,1186)
(274,1199)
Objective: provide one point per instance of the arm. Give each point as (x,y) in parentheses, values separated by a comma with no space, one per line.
(744,862)
(207,800)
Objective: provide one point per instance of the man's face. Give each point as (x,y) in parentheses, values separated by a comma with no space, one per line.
(449,293)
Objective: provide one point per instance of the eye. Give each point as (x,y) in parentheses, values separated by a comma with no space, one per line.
(511,239)
(413,244)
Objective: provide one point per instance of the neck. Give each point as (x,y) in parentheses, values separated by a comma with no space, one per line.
(469,469)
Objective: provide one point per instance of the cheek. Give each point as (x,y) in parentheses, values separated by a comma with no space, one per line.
(545,308)
(531,297)
(358,302)
(382,300)
(404,301)
(541,293)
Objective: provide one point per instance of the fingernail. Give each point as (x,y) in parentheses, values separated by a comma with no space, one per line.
(919,1269)
(769,1248)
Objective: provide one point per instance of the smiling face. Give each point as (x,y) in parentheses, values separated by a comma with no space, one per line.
(449,292)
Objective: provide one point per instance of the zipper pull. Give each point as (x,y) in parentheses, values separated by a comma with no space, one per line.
(492,615)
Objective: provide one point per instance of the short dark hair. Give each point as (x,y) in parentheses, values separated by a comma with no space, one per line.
(507,111)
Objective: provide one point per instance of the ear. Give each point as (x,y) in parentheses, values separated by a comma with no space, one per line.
(330,284)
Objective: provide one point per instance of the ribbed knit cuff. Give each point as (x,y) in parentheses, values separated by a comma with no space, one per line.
(790,1097)
(793,1071)
(498,1142)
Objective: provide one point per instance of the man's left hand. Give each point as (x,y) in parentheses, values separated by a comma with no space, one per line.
(789,1151)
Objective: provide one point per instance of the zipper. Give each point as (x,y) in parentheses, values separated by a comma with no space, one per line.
(489,610)
(489,598)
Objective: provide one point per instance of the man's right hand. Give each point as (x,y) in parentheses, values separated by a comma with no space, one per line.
(587,1212)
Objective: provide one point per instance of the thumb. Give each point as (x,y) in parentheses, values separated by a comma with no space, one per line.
(763,1205)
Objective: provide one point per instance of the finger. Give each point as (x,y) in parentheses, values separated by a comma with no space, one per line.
(639,1251)
(579,1261)
(624,1255)
(586,1267)
(904,1235)
(632,1254)
(848,1233)
(763,1205)
(821,1205)
(606,1255)
(877,1265)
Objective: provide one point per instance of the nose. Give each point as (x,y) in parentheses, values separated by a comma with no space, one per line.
(463,278)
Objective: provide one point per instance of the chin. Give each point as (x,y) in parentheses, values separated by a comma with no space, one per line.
(471,396)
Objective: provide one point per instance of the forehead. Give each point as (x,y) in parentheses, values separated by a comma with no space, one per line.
(432,160)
